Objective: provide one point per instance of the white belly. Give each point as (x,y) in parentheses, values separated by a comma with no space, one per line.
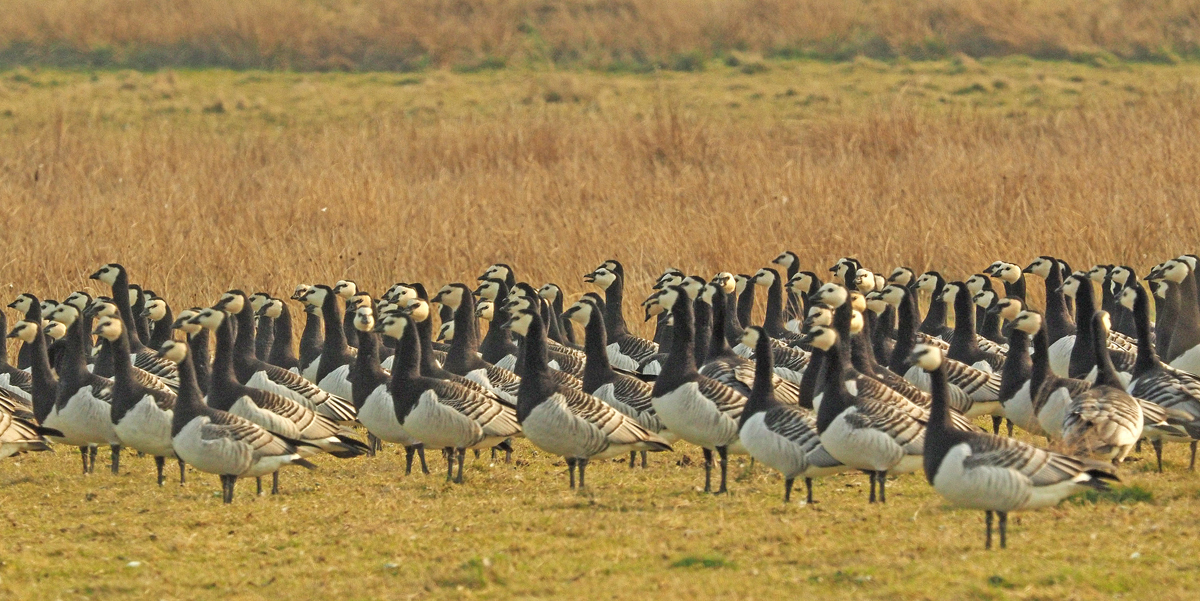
(378,416)
(337,382)
(87,418)
(146,428)
(439,425)
(985,488)
(310,371)
(213,456)
(1019,410)
(781,454)
(245,408)
(861,448)
(1189,361)
(1052,414)
(692,417)
(1060,356)
(620,360)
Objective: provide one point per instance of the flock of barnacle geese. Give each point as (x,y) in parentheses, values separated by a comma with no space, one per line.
(840,376)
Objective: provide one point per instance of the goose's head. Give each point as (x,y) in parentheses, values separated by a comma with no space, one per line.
(831,294)
(108,273)
(489,289)
(232,302)
(24,302)
(79,299)
(724,281)
(521,323)
(345,288)
(550,292)
(580,312)
(1041,266)
(364,319)
(950,292)
(393,325)
(108,328)
(55,330)
(1098,273)
(1123,274)
(155,310)
(875,302)
(497,271)
(978,283)
(821,337)
(765,277)
(986,298)
(101,306)
(928,281)
(818,315)
(1174,271)
(1128,297)
(1007,272)
(315,296)
(740,282)
(902,276)
(173,351)
(752,335)
(418,309)
(602,277)
(362,299)
(300,290)
(692,285)
(485,310)
(25,331)
(864,281)
(892,294)
(209,318)
(64,314)
(446,332)
(927,357)
(1070,287)
(1029,322)
(184,321)
(670,277)
(787,259)
(451,295)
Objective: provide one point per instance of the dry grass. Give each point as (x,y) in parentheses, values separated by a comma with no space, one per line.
(336,176)
(628,34)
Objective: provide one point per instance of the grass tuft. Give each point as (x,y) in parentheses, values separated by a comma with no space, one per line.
(1120,495)
(711,560)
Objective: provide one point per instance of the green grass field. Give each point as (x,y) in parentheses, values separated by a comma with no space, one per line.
(360,529)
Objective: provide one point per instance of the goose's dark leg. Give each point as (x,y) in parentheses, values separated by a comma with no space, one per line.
(116,458)
(632,459)
(259,481)
(92,459)
(724,453)
(643,460)
(1009,424)
(996,419)
(449,453)
(708,462)
(275,483)
(1003,529)
(988,541)
(582,464)
(421,455)
(808,486)
(462,458)
(408,457)
(159,464)
(1138,448)
(882,477)
(1157,444)
(227,483)
(871,477)
(83,452)
(1192,463)
(508,454)
(182,472)
(787,490)
(571,470)
(372,444)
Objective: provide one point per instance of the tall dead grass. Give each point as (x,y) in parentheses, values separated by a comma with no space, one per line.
(195,209)
(622,34)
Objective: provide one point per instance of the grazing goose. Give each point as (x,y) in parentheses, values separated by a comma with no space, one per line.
(1172,389)
(463,357)
(782,436)
(217,442)
(372,399)
(258,374)
(623,392)
(696,408)
(83,403)
(141,416)
(1104,421)
(440,413)
(625,351)
(283,353)
(1060,326)
(264,325)
(976,470)
(565,421)
(144,358)
(857,428)
(333,367)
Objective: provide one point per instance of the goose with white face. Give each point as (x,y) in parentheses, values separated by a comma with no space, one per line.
(892,294)
(1008,272)
(55,330)
(831,294)
(1028,322)
(985,298)
(1174,271)
(155,310)
(24,331)
(361,299)
(364,319)
(258,300)
(273,309)
(23,303)
(108,274)
(818,316)
(1098,273)
(300,290)
(549,292)
(392,325)
(488,290)
(209,319)
(485,310)
(1121,274)
(450,295)
(1009,308)
(1128,298)
(927,282)
(864,281)
(314,297)
(1041,267)
(672,277)
(602,277)
(108,328)
(173,351)
(949,292)
(446,332)
(79,299)
(787,260)
(184,321)
(418,310)
(927,357)
(580,312)
(520,323)
(977,283)
(64,314)
(232,302)
(1070,288)
(497,271)
(345,288)
(901,276)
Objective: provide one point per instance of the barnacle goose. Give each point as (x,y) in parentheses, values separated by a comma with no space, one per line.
(371,396)
(790,263)
(347,290)
(141,416)
(440,413)
(729,368)
(283,353)
(31,307)
(934,324)
(463,357)
(1015,395)
(197,339)
(624,392)
(264,325)
(964,342)
(1083,362)
(1011,275)
(1153,381)
(19,432)
(782,436)
(801,285)
(554,295)
(115,276)
(333,367)
(904,277)
(1183,348)
(976,470)
(773,320)
(159,313)
(257,374)
(500,271)
(1051,394)
(1104,420)
(565,421)
(1060,327)
(696,408)
(857,428)
(221,443)
(625,351)
(12,379)
(497,346)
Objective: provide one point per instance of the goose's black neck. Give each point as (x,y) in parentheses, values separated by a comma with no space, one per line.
(45,383)
(1058,318)
(703,331)
(762,394)
(939,434)
(367,374)
(597,371)
(189,401)
(1041,360)
(1106,373)
(935,319)
(312,339)
(463,356)
(264,338)
(733,328)
(198,356)
(718,346)
(745,306)
(406,365)
(536,385)
(834,396)
(1147,358)
(964,346)
(126,390)
(1083,354)
(282,353)
(120,290)
(906,333)
(1017,365)
(140,325)
(614,299)
(335,352)
(773,321)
